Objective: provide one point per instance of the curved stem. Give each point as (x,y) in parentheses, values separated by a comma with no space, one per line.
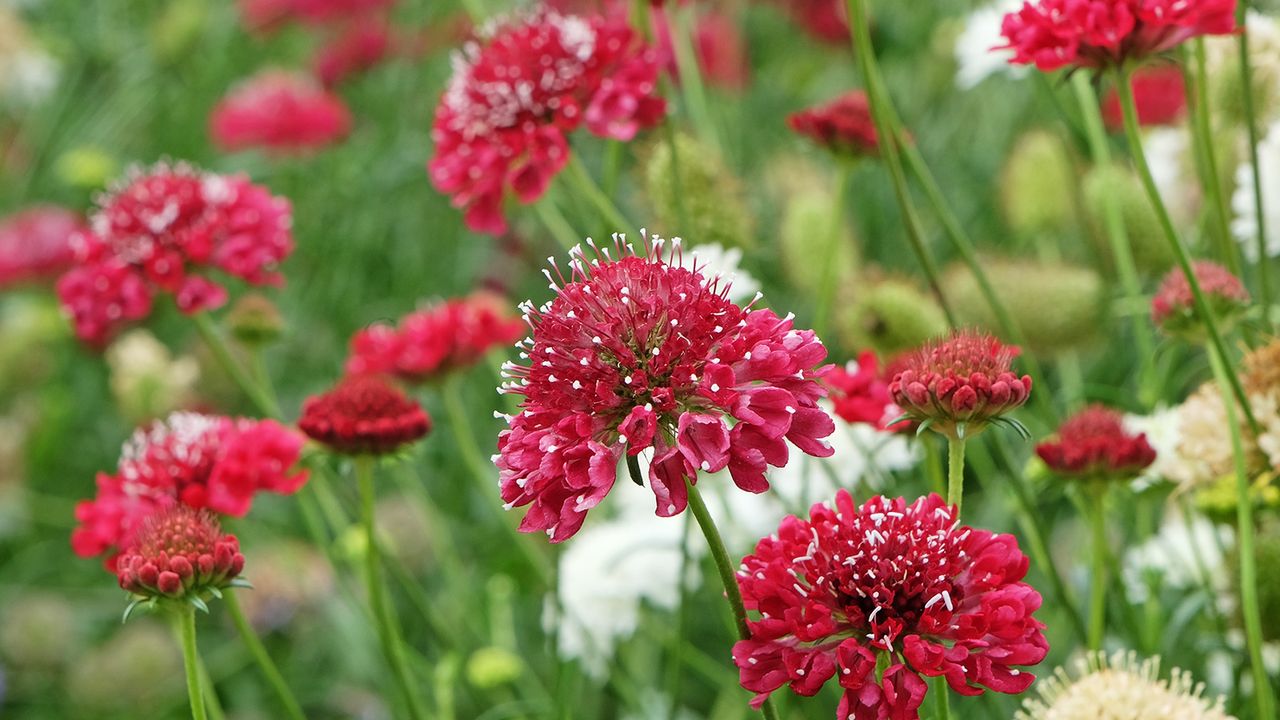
(955,472)
(725,568)
(690,72)
(1202,126)
(387,632)
(191,660)
(261,657)
(1251,125)
(260,398)
(1096,511)
(609,212)
(943,699)
(830,272)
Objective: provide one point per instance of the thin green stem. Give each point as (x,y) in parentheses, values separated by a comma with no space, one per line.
(830,273)
(191,660)
(218,345)
(955,472)
(690,73)
(609,212)
(677,179)
(933,463)
(882,116)
(1249,607)
(1251,126)
(555,222)
(942,701)
(1124,77)
(1202,126)
(259,652)
(391,643)
(1097,518)
(725,568)
(211,703)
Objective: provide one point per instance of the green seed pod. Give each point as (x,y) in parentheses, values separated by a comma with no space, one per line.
(39,632)
(255,321)
(806,236)
(492,667)
(1112,183)
(696,196)
(1034,186)
(888,316)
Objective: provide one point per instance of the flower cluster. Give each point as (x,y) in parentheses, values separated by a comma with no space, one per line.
(843,126)
(161,230)
(1173,307)
(37,243)
(639,352)
(1099,34)
(517,92)
(200,461)
(1105,686)
(364,414)
(960,384)
(279,111)
(887,580)
(1159,94)
(1094,445)
(436,340)
(179,553)
(860,393)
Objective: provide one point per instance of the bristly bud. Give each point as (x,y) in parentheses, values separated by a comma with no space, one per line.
(1173,309)
(1034,184)
(180,554)
(697,193)
(364,415)
(889,316)
(805,235)
(255,321)
(1104,685)
(1113,183)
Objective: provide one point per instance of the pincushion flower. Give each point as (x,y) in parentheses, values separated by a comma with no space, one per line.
(638,352)
(1159,93)
(891,581)
(201,461)
(860,393)
(163,230)
(1121,687)
(436,340)
(37,243)
(281,112)
(179,554)
(1100,34)
(1094,445)
(1173,308)
(843,126)
(364,415)
(501,127)
(960,384)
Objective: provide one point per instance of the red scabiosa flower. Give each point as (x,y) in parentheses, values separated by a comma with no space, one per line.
(364,415)
(1173,307)
(851,585)
(826,20)
(1094,445)
(359,46)
(436,340)
(163,230)
(960,384)
(637,352)
(1099,34)
(520,89)
(200,461)
(1160,94)
(180,554)
(279,111)
(36,243)
(843,126)
(860,393)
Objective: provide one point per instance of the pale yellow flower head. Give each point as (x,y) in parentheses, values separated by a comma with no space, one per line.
(1120,687)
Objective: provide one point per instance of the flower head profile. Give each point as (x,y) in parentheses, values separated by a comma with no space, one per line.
(960,384)
(852,585)
(1094,445)
(179,554)
(1121,687)
(364,415)
(843,126)
(1173,307)
(1100,34)
(860,393)
(281,112)
(516,92)
(164,229)
(638,352)
(37,243)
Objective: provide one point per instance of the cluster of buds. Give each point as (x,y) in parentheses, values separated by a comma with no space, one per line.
(180,554)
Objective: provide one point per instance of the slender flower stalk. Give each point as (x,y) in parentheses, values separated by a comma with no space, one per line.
(581,180)
(955,471)
(1251,126)
(186,615)
(1202,127)
(829,275)
(218,345)
(687,67)
(260,656)
(1097,499)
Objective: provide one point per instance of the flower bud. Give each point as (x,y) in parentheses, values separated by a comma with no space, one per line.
(806,234)
(493,667)
(888,316)
(1033,184)
(255,321)
(1173,307)
(86,167)
(1147,243)
(697,189)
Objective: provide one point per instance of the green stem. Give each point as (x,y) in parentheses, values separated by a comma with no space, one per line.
(933,463)
(830,272)
(725,568)
(1251,125)
(391,643)
(1124,77)
(1096,511)
(942,698)
(882,116)
(261,400)
(1249,607)
(690,73)
(261,657)
(955,472)
(609,212)
(1202,126)
(677,179)
(191,660)
(555,222)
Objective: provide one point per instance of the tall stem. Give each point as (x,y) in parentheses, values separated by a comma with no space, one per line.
(261,657)
(212,338)
(609,212)
(377,595)
(191,660)
(725,567)
(1202,126)
(942,695)
(690,72)
(1248,559)
(830,272)
(1251,125)
(955,472)
(1096,511)
(1124,77)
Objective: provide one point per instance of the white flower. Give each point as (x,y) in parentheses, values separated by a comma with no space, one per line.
(146,380)
(975,58)
(27,73)
(1163,430)
(1168,151)
(1180,555)
(718,261)
(1245,224)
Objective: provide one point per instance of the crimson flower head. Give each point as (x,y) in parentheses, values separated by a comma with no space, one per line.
(1173,307)
(37,243)
(180,554)
(279,111)
(1160,94)
(860,393)
(717,44)
(637,352)
(843,126)
(518,91)
(199,461)
(270,15)
(364,415)
(1094,445)
(427,344)
(358,46)
(1100,34)
(887,581)
(958,385)
(165,229)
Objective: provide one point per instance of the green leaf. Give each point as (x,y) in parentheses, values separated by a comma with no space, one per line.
(199,604)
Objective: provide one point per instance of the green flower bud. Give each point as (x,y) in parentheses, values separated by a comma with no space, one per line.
(86,168)
(1035,187)
(493,667)
(255,321)
(806,235)
(696,196)
(177,28)
(1113,183)
(888,316)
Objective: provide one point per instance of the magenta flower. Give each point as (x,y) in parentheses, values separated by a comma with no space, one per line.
(280,112)
(639,352)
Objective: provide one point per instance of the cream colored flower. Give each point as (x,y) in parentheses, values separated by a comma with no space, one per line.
(1120,688)
(146,380)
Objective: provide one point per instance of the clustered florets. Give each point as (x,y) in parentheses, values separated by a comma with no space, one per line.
(179,553)
(844,125)
(364,415)
(279,111)
(1094,445)
(1173,306)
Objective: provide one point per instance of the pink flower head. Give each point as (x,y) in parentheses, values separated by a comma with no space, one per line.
(358,46)
(906,583)
(636,352)
(270,15)
(1173,307)
(1160,94)
(200,461)
(437,340)
(960,384)
(279,111)
(843,126)
(860,393)
(179,553)
(37,243)
(1099,34)
(518,91)
(1093,444)
(161,230)
(364,415)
